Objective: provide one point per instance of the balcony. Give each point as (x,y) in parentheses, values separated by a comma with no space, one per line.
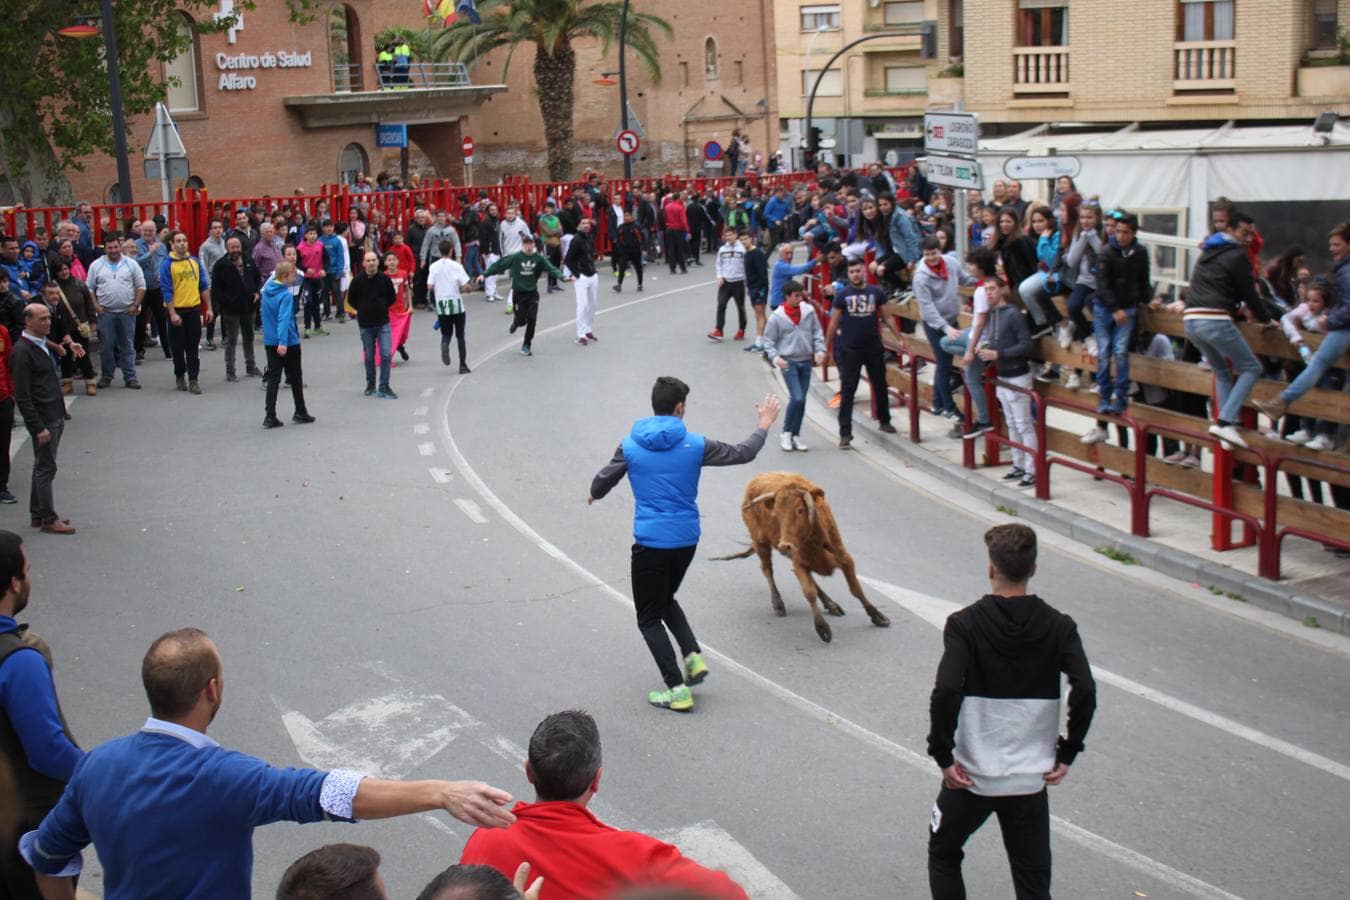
(1209,66)
(1041,70)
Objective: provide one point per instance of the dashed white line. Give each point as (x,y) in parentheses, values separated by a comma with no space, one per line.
(421,428)
(420,411)
(470,509)
(440,476)
(427,448)
(427,392)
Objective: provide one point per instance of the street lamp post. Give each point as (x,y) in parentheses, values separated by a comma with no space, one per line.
(811,48)
(119,121)
(623,88)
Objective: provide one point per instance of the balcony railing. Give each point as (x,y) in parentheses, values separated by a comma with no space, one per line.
(348,78)
(1040,70)
(1205,66)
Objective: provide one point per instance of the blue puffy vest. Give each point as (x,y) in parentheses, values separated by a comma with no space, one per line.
(664,464)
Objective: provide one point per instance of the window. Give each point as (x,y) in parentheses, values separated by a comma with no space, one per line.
(351,163)
(1044,23)
(902,12)
(956,14)
(739,68)
(180,73)
(906,80)
(710,60)
(820,18)
(1322,14)
(1205,20)
(832,85)
(684,74)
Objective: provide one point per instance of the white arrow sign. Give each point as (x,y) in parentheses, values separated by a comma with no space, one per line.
(1041,167)
(954,171)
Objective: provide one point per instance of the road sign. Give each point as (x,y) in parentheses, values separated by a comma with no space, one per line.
(1041,166)
(468,145)
(627,142)
(956,172)
(712,150)
(178,168)
(164,139)
(951,133)
(391,135)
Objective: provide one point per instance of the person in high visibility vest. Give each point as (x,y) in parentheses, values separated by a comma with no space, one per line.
(402,59)
(384,65)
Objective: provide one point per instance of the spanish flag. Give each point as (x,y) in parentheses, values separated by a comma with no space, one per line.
(449,11)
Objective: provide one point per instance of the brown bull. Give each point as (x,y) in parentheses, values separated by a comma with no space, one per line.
(784,510)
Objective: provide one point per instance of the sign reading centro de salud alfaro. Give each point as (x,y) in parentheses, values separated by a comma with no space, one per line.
(230,64)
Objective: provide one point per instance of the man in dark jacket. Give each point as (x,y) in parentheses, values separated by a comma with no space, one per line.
(37,394)
(1123,284)
(414,237)
(696,215)
(995,719)
(663,461)
(371,295)
(234,287)
(1221,285)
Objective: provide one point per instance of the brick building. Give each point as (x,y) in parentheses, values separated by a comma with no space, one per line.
(272,106)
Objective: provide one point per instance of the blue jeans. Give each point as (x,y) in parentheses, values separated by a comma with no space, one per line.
(1079,298)
(1333,346)
(942,391)
(1113,342)
(471,266)
(369,337)
(115,331)
(973,374)
(1220,342)
(798,378)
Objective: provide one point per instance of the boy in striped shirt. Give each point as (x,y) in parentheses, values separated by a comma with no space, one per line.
(444,280)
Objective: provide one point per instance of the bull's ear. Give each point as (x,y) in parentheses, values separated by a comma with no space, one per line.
(818,493)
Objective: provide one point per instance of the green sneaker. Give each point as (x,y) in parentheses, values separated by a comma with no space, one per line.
(677,698)
(695,669)
(321,331)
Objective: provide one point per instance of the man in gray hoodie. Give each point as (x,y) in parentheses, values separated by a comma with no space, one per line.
(793,341)
(936,279)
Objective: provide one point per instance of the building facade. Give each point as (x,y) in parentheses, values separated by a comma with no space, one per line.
(272,106)
(717,76)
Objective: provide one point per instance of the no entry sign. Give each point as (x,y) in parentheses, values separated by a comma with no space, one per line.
(468,145)
(627,142)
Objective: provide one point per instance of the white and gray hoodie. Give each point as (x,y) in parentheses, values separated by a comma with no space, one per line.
(798,342)
(939,302)
(731,261)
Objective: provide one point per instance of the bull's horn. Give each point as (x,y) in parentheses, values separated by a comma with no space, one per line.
(768,496)
(810,506)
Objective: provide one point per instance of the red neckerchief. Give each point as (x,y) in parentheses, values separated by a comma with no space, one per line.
(941,269)
(793,312)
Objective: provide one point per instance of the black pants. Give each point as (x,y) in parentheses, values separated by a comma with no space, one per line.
(696,245)
(554,255)
(453,324)
(41,499)
(656,576)
(624,260)
(185,339)
(237,328)
(674,242)
(851,363)
(420,285)
(16,876)
(84,365)
(330,297)
(1025,823)
(526,304)
(290,364)
(731,290)
(152,309)
(6,429)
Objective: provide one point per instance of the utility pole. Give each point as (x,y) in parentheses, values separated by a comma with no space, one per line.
(623,88)
(119,121)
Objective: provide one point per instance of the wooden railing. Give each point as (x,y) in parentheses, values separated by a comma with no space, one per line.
(1205,66)
(1040,70)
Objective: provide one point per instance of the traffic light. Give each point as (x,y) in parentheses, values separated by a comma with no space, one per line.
(812,146)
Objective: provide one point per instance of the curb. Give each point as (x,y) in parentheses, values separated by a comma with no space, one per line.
(1149,553)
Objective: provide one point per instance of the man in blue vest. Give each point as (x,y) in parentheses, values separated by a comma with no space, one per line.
(663,461)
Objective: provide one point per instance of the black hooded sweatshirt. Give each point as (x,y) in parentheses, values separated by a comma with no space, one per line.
(995,703)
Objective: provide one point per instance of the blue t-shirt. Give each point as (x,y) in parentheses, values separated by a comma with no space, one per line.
(860,326)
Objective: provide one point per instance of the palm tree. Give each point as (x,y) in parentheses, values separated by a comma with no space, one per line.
(552,26)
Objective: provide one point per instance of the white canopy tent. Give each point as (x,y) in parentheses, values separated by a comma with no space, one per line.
(1186,169)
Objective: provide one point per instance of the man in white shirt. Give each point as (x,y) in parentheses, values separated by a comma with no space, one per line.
(445,278)
(118,284)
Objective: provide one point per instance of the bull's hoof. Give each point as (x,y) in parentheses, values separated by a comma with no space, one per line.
(880,620)
(780,611)
(823,629)
(835,610)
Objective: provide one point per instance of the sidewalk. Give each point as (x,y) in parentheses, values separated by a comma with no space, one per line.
(1316,584)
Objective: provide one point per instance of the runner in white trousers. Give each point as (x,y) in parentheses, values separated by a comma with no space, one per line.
(580,260)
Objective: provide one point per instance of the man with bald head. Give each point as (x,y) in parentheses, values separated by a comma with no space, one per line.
(37,394)
(171,812)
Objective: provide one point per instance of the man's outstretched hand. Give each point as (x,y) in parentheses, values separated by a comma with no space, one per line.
(768,411)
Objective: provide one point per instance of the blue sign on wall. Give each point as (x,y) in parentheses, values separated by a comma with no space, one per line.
(391,135)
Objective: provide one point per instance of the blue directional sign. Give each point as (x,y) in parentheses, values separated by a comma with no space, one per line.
(391,135)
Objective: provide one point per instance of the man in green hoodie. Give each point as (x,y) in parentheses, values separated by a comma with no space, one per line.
(525,268)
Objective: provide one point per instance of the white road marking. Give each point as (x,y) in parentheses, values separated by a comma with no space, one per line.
(420,411)
(714,848)
(471,510)
(440,476)
(427,392)
(935,611)
(426,448)
(1130,858)
(421,428)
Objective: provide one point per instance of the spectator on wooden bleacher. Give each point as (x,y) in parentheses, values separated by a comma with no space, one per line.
(1083,257)
(1221,286)
(936,282)
(1038,288)
(984,268)
(1122,284)
(1007,343)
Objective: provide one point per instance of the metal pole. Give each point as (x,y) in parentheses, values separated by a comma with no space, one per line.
(811,147)
(162,123)
(623,88)
(119,122)
(962,226)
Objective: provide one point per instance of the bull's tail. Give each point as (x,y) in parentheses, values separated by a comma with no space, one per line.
(746,553)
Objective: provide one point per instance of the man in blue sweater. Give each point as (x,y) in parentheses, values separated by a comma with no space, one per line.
(172,813)
(35,743)
(663,461)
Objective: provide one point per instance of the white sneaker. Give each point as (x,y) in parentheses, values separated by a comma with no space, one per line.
(1090,345)
(1299,437)
(1094,436)
(1074,382)
(1095,389)
(1066,335)
(1175,458)
(1227,434)
(785,441)
(1190,462)
(1321,442)
(797,442)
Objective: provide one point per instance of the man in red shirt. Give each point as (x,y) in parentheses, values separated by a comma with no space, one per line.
(575,853)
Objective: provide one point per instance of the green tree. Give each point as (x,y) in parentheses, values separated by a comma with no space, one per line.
(54,104)
(552,26)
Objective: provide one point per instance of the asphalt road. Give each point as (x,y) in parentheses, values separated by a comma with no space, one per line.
(411,585)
